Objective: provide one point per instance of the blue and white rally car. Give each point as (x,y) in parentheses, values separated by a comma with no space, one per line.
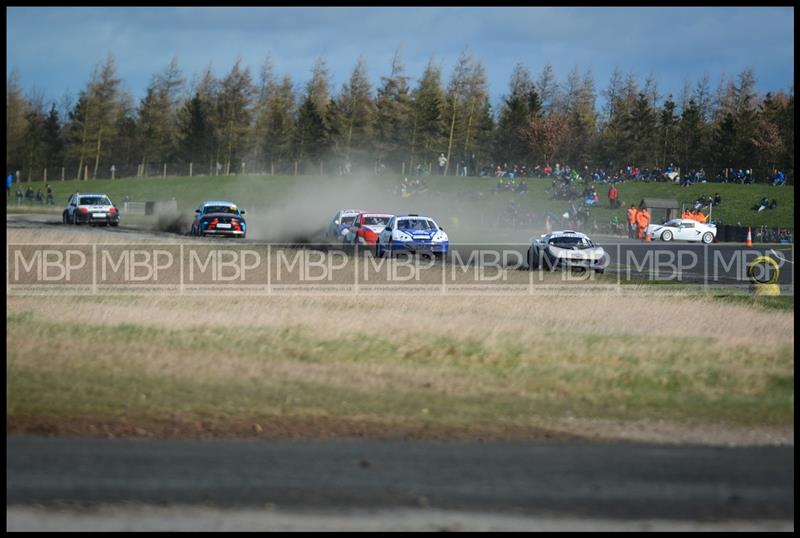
(340,226)
(412,233)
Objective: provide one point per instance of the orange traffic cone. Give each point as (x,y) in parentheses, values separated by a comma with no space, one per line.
(749,242)
(648,237)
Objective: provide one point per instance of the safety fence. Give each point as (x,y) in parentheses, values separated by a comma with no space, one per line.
(758,234)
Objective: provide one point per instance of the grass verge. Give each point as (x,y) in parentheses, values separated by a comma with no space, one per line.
(271,192)
(419,381)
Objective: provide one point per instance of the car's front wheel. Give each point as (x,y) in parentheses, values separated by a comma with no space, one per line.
(708,237)
(666,236)
(64,218)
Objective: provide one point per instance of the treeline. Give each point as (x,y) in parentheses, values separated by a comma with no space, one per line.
(273,126)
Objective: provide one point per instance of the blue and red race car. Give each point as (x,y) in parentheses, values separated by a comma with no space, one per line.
(219,217)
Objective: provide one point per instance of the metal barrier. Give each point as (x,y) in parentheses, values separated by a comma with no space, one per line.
(760,234)
(150,208)
(137,208)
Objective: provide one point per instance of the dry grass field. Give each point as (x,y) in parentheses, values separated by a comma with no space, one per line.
(606,366)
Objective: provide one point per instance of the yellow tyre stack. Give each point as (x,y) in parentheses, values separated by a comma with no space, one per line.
(763,273)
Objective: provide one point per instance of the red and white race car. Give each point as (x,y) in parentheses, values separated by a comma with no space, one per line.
(366,228)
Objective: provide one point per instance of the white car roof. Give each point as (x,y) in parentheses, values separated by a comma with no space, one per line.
(415,217)
(688,220)
(565,233)
(349,212)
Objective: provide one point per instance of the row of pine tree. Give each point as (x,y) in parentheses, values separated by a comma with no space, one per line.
(271,125)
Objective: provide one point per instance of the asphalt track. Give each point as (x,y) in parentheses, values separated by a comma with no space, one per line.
(715,265)
(622,481)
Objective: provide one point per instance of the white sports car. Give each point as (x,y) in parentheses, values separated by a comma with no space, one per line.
(566,249)
(683,230)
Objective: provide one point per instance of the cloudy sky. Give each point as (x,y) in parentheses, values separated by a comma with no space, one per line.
(55,49)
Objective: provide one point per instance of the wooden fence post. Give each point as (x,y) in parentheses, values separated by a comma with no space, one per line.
(165,170)
(295,168)
(190,169)
(63,173)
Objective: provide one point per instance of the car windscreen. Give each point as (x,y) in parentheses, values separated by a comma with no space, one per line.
(415,224)
(220,209)
(95,200)
(376,221)
(569,242)
(347,221)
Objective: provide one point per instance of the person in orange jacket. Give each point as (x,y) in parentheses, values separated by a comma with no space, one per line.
(632,221)
(642,220)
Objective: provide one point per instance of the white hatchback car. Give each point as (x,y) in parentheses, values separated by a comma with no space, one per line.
(683,230)
(90,208)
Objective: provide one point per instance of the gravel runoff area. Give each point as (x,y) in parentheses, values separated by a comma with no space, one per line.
(193,518)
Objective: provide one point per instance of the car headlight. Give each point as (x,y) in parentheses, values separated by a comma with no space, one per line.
(400,236)
(439,237)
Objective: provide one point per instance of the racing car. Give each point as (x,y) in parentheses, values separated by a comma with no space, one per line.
(566,249)
(366,228)
(341,223)
(683,230)
(219,217)
(90,208)
(412,233)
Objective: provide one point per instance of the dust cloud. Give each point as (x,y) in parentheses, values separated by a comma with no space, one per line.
(301,212)
(306,210)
